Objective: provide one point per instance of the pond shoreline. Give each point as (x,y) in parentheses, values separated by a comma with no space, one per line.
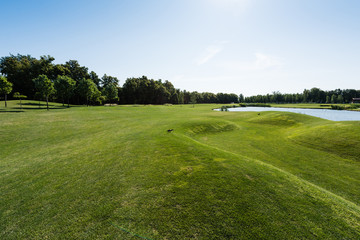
(329,114)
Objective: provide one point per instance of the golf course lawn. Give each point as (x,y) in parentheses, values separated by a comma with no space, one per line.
(117,173)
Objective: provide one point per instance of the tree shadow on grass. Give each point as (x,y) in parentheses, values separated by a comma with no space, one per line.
(34,104)
(51,106)
(42,108)
(28,106)
(7,111)
(21,109)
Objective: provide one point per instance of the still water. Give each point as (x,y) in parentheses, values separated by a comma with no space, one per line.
(334,115)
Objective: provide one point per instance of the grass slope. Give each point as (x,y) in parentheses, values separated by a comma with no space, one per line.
(85,173)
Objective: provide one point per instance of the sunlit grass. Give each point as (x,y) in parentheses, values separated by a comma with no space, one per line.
(78,173)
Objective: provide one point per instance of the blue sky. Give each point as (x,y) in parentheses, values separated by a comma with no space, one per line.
(235,46)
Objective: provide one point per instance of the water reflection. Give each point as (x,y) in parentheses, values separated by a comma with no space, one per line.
(334,115)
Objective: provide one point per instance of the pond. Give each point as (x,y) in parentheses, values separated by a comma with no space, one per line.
(333,115)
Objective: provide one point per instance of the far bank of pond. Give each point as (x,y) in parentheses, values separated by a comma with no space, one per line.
(333,115)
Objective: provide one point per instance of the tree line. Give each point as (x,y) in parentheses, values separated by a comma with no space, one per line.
(314,95)
(72,83)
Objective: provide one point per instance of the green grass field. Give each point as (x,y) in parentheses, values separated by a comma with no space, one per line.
(116,173)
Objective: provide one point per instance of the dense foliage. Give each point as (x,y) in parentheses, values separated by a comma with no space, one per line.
(5,87)
(314,95)
(77,85)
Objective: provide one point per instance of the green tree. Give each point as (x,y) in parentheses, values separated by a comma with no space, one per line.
(88,89)
(57,70)
(76,72)
(333,99)
(328,99)
(64,86)
(110,92)
(340,99)
(181,97)
(174,99)
(5,87)
(95,78)
(19,96)
(306,94)
(241,98)
(22,69)
(44,65)
(18,71)
(45,86)
(97,97)
(106,80)
(193,98)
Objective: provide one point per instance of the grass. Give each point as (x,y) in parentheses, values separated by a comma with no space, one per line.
(78,173)
(15,106)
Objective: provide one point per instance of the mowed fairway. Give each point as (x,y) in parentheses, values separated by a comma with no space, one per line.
(113,172)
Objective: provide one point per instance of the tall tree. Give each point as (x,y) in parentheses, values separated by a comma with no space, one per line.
(328,99)
(64,86)
(76,72)
(340,99)
(110,91)
(18,70)
(5,87)
(333,98)
(241,98)
(95,78)
(193,98)
(87,89)
(45,86)
(43,66)
(58,70)
(106,80)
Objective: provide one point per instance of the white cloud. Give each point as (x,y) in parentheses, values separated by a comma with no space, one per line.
(210,52)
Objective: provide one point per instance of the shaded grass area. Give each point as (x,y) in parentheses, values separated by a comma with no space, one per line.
(219,175)
(15,106)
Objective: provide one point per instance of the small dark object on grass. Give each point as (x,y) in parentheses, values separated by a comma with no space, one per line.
(170,130)
(258,113)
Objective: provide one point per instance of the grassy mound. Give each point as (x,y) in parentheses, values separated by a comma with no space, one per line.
(101,173)
(276,119)
(341,139)
(209,126)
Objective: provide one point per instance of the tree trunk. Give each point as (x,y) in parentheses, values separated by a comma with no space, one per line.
(68,103)
(5,100)
(47,103)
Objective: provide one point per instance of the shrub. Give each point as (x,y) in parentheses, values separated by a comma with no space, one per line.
(257,105)
(338,107)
